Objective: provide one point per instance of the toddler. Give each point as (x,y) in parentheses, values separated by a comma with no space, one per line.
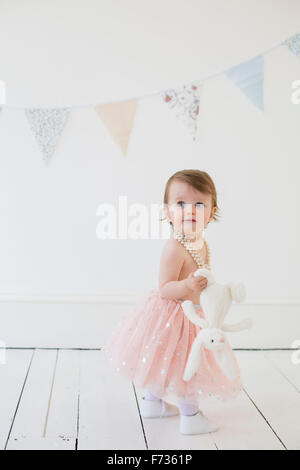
(152,344)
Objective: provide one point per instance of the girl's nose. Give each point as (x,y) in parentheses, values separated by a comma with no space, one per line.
(189,209)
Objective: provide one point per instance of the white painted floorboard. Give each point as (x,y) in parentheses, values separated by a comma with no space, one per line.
(108,411)
(277,398)
(30,423)
(12,377)
(63,411)
(70,399)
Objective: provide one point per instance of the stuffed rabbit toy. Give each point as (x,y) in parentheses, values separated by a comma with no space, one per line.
(215,302)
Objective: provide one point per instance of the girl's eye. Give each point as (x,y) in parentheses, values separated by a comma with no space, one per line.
(197,204)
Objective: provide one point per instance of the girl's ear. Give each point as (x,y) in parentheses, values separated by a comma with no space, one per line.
(212,213)
(165,213)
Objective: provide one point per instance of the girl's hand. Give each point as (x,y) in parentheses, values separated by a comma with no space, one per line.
(196,284)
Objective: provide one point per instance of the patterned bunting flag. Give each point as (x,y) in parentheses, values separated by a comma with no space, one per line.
(47,125)
(293,44)
(248,77)
(185,102)
(118,118)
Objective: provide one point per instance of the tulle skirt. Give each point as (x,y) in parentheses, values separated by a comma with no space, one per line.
(151,345)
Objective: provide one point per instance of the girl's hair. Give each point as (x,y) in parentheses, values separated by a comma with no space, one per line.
(199,180)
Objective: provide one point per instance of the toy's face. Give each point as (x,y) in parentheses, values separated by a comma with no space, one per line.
(214,339)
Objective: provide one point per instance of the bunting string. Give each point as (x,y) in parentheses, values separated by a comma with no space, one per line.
(47,122)
(290,40)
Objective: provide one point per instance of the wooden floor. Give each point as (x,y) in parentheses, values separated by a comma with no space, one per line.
(69,399)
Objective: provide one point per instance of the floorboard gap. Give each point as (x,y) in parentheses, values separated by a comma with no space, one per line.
(50,396)
(145,438)
(17,407)
(265,418)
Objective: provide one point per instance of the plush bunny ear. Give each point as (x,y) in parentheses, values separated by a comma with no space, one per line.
(226,363)
(189,311)
(194,358)
(237,291)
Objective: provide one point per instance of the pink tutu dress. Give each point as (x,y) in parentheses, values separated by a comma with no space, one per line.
(151,345)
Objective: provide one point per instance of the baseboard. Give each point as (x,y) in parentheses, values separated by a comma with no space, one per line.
(115,298)
(87,323)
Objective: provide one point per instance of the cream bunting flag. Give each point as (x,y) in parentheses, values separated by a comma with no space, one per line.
(118,119)
(47,126)
(185,102)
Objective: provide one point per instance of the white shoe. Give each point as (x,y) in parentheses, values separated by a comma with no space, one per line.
(157,409)
(196,424)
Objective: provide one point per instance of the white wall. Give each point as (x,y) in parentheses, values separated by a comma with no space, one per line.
(78,52)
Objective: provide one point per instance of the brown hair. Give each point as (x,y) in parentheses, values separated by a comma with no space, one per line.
(199,180)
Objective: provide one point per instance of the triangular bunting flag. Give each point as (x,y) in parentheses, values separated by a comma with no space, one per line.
(185,102)
(293,44)
(118,118)
(248,77)
(47,125)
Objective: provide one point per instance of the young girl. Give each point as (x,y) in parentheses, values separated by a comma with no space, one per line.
(152,344)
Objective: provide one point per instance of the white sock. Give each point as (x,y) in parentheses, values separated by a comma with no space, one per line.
(186,407)
(150,396)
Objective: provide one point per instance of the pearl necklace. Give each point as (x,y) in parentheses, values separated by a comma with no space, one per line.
(183,239)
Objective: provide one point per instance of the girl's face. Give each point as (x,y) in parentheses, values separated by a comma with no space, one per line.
(188,209)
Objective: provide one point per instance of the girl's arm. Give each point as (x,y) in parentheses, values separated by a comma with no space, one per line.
(171,262)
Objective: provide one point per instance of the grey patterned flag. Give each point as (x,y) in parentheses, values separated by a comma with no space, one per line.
(47,125)
(294,44)
(185,102)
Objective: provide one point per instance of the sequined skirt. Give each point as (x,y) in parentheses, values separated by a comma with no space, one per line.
(151,345)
